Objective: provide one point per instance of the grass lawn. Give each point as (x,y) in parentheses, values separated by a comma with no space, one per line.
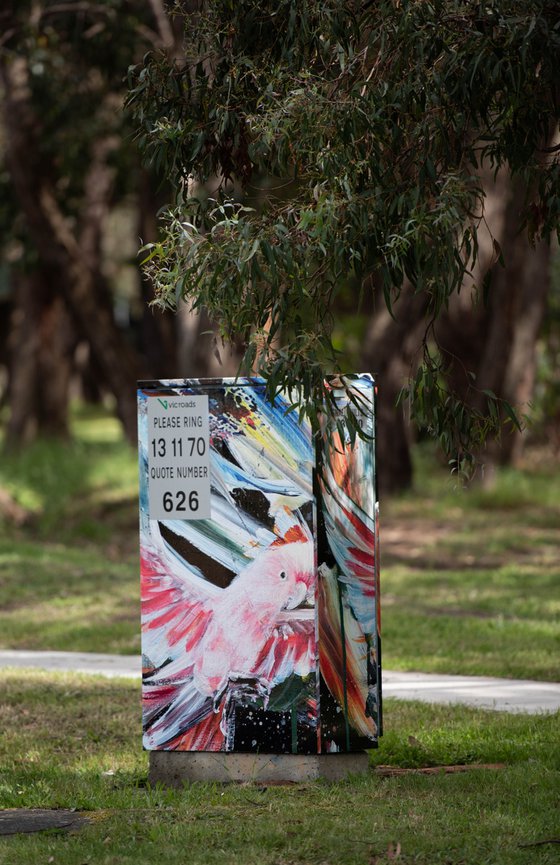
(469,585)
(69,579)
(74,742)
(470,579)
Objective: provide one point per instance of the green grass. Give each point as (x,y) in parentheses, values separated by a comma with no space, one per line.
(68,598)
(470,585)
(470,579)
(81,489)
(74,741)
(69,580)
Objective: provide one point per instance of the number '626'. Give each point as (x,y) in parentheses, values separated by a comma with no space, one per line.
(180,501)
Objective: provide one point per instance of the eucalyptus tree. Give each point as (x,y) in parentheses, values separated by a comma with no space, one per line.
(380,117)
(67,158)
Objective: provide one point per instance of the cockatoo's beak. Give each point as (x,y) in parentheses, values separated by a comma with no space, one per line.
(298,595)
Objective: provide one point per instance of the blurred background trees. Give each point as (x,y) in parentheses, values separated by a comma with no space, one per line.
(76,202)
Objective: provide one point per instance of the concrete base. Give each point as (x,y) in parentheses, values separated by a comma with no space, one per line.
(175,768)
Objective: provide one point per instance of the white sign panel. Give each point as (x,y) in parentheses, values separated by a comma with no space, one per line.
(178,458)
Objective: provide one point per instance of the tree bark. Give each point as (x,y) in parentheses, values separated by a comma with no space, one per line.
(497,341)
(389,350)
(41,347)
(523,285)
(159,332)
(69,254)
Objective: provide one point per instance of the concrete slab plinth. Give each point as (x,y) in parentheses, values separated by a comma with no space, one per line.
(175,768)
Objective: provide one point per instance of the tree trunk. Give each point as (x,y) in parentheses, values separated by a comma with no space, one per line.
(511,349)
(497,341)
(22,367)
(199,353)
(41,349)
(389,352)
(70,255)
(159,327)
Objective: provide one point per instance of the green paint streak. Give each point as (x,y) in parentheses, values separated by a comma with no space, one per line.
(344,681)
(293,714)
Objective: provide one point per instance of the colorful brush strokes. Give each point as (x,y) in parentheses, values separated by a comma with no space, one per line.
(259,624)
(348,611)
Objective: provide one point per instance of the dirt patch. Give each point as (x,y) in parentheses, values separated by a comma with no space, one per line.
(394,771)
(425,544)
(411,539)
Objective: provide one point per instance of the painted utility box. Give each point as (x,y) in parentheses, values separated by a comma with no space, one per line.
(259,572)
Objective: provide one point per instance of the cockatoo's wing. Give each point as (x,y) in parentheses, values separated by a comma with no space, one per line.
(207,735)
(176,604)
(171,708)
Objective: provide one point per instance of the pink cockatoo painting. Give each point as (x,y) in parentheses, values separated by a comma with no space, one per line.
(224,644)
(259,622)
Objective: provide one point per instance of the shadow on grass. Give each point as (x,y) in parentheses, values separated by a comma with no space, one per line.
(73,741)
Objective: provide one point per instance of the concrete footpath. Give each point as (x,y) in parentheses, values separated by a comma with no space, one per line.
(505,695)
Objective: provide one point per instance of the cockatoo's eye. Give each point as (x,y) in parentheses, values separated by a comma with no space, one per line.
(283,575)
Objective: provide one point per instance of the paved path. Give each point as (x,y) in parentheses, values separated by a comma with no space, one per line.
(79,662)
(504,695)
(507,695)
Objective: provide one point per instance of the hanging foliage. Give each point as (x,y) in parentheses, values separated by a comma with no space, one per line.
(379,117)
